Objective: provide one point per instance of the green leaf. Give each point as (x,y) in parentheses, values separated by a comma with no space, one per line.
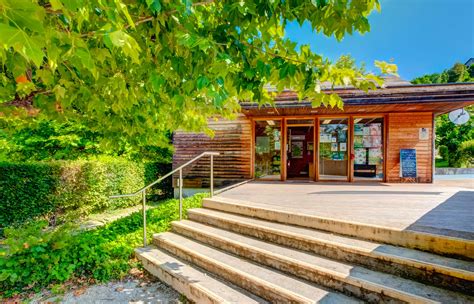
(73,5)
(283,71)
(156,81)
(56,4)
(20,41)
(386,68)
(123,8)
(334,100)
(126,42)
(187,4)
(25,14)
(202,82)
(59,92)
(154,5)
(86,59)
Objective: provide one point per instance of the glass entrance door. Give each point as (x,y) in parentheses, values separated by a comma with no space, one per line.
(333,146)
(300,149)
(268,149)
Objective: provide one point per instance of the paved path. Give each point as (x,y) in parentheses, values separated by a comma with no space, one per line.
(122,292)
(433,208)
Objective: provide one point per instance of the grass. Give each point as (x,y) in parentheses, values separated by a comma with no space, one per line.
(35,257)
(441,163)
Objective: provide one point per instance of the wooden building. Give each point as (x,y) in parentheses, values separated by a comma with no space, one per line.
(293,140)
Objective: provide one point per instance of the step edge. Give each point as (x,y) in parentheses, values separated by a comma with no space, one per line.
(321,218)
(408,236)
(214,298)
(442,269)
(332,274)
(287,293)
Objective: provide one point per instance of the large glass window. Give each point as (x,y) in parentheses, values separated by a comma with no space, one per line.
(268,149)
(368,148)
(333,145)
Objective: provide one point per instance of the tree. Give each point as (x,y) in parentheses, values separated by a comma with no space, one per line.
(41,139)
(457,73)
(453,137)
(450,137)
(136,69)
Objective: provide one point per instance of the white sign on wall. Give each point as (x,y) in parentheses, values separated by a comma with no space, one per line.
(424,134)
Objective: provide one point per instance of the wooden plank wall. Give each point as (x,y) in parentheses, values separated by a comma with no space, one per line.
(232,140)
(403,133)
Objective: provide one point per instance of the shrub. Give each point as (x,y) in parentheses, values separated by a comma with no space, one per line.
(29,190)
(35,257)
(466,153)
(444,152)
(25,191)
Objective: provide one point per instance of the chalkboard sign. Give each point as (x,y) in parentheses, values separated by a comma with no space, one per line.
(408,163)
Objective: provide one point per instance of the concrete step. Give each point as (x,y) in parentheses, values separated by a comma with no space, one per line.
(356,281)
(435,243)
(267,283)
(409,263)
(197,285)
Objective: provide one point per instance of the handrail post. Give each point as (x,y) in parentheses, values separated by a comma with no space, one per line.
(212,176)
(144,217)
(180,181)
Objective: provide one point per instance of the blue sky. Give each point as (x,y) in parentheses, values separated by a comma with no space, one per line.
(421,36)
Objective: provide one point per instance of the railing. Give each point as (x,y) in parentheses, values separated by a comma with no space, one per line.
(142,191)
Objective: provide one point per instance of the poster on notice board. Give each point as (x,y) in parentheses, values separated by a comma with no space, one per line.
(408,163)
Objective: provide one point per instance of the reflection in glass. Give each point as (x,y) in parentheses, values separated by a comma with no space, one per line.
(333,139)
(368,148)
(267,149)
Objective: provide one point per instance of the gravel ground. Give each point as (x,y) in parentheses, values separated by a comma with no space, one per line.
(130,291)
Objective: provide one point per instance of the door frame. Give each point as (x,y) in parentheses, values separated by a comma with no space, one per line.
(285,151)
(252,146)
(349,148)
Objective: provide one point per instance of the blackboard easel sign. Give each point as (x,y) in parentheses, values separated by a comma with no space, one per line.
(408,163)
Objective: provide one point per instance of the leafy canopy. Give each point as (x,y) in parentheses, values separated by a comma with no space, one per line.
(137,69)
(450,137)
(457,73)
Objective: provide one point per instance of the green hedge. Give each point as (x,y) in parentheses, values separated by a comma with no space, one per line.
(58,188)
(36,256)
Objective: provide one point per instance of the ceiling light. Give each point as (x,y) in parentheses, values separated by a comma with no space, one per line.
(271,122)
(326,121)
(357,120)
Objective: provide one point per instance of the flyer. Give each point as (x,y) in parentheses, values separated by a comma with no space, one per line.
(360,156)
(325,138)
(358,129)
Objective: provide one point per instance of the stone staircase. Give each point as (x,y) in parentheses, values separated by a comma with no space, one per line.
(227,252)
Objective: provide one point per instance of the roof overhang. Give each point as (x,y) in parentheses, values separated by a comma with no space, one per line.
(438,98)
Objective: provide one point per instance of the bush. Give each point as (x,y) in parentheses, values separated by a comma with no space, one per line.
(29,190)
(466,153)
(36,257)
(443,152)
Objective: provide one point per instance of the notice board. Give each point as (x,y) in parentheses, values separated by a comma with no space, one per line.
(408,163)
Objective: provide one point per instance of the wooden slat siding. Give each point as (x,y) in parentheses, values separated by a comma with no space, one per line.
(232,140)
(403,133)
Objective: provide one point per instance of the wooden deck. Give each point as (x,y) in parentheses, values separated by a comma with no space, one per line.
(430,208)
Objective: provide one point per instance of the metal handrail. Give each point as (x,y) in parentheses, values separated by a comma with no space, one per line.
(180,184)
